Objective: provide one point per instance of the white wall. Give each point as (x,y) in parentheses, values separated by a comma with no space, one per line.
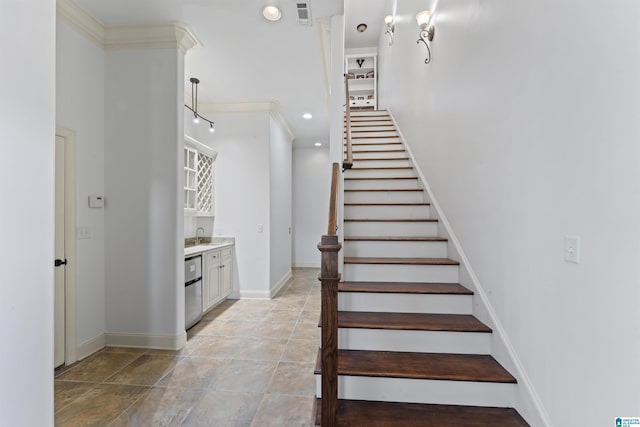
(242,194)
(280,204)
(311,188)
(80,107)
(526,127)
(143,181)
(27,120)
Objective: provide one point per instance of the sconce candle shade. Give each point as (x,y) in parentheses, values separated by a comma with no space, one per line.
(423,18)
(388,19)
(271,13)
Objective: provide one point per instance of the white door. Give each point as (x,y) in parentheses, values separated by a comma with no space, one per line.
(60,271)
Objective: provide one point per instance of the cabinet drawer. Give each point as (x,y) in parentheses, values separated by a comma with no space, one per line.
(225,253)
(212,256)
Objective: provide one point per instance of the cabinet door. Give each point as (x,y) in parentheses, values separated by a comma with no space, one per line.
(227,273)
(211,293)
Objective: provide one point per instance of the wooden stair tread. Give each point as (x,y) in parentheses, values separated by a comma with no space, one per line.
(377,143)
(382,159)
(376,151)
(403,261)
(395,239)
(425,366)
(363,413)
(387,204)
(381,178)
(391,220)
(373,137)
(405,288)
(387,189)
(382,168)
(411,321)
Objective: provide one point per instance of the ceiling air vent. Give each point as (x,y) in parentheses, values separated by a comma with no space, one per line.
(304,13)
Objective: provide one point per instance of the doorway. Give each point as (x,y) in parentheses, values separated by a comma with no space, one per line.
(65,314)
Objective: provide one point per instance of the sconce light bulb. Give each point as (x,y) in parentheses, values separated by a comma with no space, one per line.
(211,129)
(195,119)
(423,18)
(388,19)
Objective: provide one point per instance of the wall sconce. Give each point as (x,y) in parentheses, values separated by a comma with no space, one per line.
(391,27)
(427,31)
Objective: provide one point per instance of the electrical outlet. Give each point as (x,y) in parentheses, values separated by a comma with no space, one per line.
(572,249)
(83,233)
(260,228)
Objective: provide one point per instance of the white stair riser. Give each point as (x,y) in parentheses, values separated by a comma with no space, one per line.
(380,163)
(376,113)
(393,211)
(370,122)
(416,341)
(380,155)
(387,184)
(424,229)
(376,147)
(371,128)
(378,173)
(400,273)
(384,196)
(405,303)
(356,140)
(374,134)
(424,391)
(397,249)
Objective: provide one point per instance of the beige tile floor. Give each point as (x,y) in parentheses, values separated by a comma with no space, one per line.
(247,363)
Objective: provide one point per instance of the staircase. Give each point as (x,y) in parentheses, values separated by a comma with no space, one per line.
(410,351)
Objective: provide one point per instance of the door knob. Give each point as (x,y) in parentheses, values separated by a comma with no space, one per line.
(60,262)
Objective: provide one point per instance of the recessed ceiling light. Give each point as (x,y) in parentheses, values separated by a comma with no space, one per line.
(307,116)
(271,13)
(361,28)
(318,144)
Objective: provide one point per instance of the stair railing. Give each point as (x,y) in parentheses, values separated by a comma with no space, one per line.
(329,247)
(348,161)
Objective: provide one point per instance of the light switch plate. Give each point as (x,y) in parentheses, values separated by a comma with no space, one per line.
(260,228)
(83,233)
(572,249)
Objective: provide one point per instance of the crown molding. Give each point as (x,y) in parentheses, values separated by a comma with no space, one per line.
(81,21)
(167,35)
(276,114)
(270,107)
(171,35)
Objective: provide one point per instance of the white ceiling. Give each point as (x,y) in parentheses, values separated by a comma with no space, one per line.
(370,12)
(245,58)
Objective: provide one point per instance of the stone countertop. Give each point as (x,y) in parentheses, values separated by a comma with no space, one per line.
(216,243)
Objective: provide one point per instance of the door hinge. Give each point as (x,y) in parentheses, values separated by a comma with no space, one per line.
(59,262)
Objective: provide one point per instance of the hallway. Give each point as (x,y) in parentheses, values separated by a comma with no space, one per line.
(247,363)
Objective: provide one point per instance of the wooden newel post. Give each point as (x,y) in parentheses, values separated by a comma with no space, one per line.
(329,246)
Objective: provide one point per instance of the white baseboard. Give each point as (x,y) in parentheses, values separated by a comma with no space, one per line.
(89,347)
(162,342)
(263,294)
(279,284)
(306,265)
(254,295)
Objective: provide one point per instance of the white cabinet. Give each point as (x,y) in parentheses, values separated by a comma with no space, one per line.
(362,72)
(218,276)
(199,161)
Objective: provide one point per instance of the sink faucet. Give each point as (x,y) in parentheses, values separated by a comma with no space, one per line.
(197,238)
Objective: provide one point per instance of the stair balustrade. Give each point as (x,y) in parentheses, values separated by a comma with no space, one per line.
(329,247)
(348,161)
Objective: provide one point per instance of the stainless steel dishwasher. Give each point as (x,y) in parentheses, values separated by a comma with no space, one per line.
(192,290)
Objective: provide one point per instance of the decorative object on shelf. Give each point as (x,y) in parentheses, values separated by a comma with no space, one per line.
(427,31)
(360,62)
(391,27)
(370,75)
(351,76)
(194,104)
(271,13)
(359,76)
